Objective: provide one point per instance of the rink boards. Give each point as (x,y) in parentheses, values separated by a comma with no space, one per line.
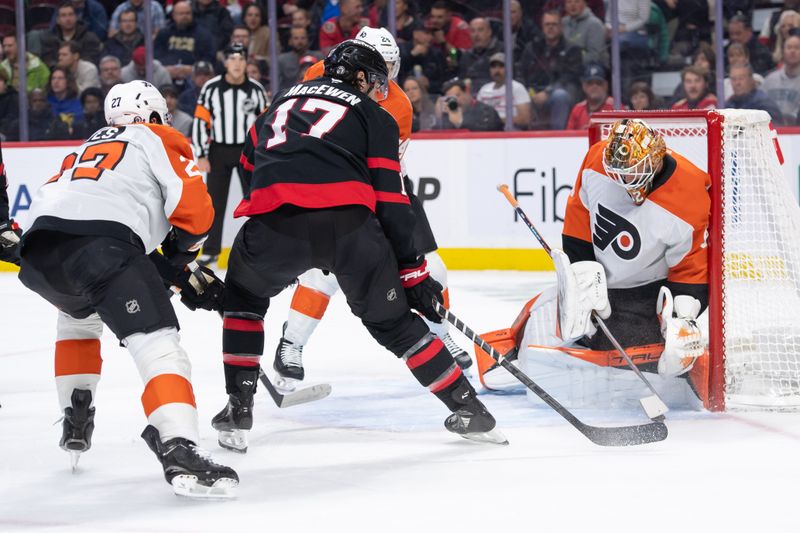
(455,176)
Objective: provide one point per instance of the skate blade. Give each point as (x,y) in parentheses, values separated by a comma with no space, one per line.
(490,437)
(285,385)
(74,457)
(188,487)
(234,440)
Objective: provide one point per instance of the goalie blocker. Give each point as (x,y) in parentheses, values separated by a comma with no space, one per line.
(634,252)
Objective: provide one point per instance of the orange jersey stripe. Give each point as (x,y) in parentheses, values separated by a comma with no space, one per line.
(194,212)
(164,389)
(576,216)
(396,103)
(310,302)
(79,356)
(446,298)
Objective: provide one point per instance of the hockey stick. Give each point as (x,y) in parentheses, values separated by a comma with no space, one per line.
(603,436)
(653,405)
(297,397)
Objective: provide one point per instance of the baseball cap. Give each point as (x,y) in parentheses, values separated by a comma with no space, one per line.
(306,59)
(138,55)
(203,67)
(498,57)
(594,71)
(235,48)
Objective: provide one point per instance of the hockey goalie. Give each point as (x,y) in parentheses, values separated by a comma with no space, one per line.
(633,252)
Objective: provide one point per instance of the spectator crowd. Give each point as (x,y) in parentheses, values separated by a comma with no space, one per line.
(453,62)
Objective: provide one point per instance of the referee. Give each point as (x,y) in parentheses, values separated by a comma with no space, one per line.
(226,108)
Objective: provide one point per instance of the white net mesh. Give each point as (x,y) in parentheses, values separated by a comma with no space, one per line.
(761,248)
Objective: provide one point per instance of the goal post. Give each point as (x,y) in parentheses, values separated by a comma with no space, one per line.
(754,255)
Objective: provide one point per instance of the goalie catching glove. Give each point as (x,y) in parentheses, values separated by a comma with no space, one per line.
(421,289)
(582,289)
(683,338)
(10,234)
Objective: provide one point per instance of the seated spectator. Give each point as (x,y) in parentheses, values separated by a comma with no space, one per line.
(783,85)
(633,16)
(289,61)
(127,39)
(788,21)
(459,110)
(586,31)
(92,14)
(157,16)
(552,68)
(405,22)
(202,71)
(43,125)
(69,29)
(84,73)
(37,72)
(641,97)
(598,7)
(419,57)
(693,27)
(301,19)
(424,112)
(63,98)
(93,115)
(343,27)
(254,72)
(737,55)
(695,80)
(240,35)
(523,31)
(474,62)
(306,62)
(740,31)
(705,57)
(747,96)
(137,70)
(450,32)
(493,94)
(253,18)
(110,73)
(769,29)
(182,43)
(215,19)
(181,121)
(595,88)
(9,109)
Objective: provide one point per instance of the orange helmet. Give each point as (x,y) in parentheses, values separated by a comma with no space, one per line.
(633,155)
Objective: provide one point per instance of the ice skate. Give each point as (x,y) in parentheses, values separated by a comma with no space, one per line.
(190,470)
(288,365)
(473,421)
(78,426)
(459,354)
(236,418)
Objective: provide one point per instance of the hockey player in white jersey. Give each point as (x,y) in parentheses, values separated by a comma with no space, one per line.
(634,252)
(131,187)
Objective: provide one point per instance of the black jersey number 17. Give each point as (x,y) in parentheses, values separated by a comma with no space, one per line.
(332,114)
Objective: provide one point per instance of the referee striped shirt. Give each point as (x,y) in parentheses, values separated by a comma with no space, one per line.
(225,112)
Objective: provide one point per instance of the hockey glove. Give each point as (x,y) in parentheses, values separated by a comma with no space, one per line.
(181,247)
(10,234)
(581,289)
(201,289)
(421,289)
(683,338)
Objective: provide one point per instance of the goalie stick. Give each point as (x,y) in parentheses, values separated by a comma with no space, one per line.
(297,397)
(603,436)
(653,405)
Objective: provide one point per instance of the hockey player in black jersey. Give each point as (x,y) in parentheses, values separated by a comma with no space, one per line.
(10,232)
(325,192)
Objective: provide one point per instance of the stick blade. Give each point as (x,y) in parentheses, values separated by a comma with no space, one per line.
(654,407)
(627,435)
(309,394)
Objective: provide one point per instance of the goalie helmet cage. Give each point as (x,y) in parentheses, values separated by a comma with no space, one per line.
(754,255)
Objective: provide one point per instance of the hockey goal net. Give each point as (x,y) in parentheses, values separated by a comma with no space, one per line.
(754,255)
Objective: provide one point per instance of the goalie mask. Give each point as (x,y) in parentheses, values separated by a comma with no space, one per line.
(633,155)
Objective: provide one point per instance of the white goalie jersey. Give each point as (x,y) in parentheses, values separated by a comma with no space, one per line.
(142,176)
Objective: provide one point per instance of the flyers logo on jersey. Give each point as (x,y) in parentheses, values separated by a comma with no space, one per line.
(611,228)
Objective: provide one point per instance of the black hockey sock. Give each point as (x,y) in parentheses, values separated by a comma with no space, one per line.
(241,379)
(435,368)
(242,346)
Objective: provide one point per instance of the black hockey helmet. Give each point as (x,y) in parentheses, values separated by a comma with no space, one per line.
(350,57)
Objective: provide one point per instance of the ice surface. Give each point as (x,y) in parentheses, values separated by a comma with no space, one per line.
(374,455)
